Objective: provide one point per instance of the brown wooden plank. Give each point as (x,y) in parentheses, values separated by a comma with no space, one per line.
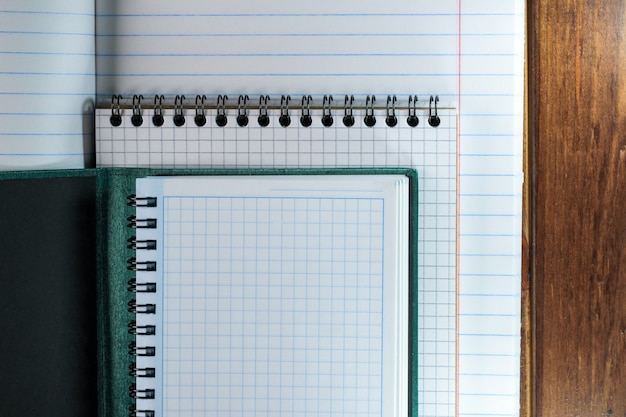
(577,99)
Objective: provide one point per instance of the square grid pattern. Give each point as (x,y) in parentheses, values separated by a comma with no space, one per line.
(431,151)
(273,306)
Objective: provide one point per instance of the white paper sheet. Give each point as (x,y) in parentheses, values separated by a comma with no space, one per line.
(283,295)
(47,84)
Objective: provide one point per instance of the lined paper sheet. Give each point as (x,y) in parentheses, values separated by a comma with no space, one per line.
(469,52)
(490,102)
(47,84)
(325,47)
(274,295)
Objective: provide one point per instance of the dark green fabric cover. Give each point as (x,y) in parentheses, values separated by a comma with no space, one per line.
(64,341)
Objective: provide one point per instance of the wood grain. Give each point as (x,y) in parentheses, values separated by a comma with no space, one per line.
(577,130)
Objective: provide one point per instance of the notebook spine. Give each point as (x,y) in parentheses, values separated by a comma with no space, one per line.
(394,111)
(144,329)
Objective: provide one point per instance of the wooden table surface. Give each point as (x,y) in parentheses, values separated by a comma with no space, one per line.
(576,349)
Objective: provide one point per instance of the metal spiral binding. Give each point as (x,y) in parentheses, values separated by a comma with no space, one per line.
(200,118)
(412,120)
(133,412)
(327,118)
(135,265)
(305,119)
(116,112)
(433,117)
(137,118)
(263,119)
(132,264)
(133,307)
(391,118)
(140,393)
(285,119)
(370,119)
(348,118)
(157,118)
(133,286)
(133,328)
(135,223)
(219,105)
(242,111)
(133,243)
(179,114)
(141,372)
(134,201)
(135,350)
(221,120)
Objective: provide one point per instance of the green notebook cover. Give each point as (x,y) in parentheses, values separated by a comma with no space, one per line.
(64,286)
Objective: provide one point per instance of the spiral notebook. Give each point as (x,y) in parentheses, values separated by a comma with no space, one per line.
(273,295)
(264,280)
(316,132)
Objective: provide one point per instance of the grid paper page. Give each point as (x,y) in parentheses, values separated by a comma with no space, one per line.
(257,329)
(47,84)
(432,151)
(469,52)
(274,303)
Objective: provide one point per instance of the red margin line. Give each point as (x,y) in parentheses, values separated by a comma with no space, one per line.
(458,210)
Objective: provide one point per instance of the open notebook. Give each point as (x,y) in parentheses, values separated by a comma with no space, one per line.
(274,295)
(280,284)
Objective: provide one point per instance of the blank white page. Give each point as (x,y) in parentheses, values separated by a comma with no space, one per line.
(284,295)
(47,84)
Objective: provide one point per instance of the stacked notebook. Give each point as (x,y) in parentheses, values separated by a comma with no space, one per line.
(323,85)
(241,292)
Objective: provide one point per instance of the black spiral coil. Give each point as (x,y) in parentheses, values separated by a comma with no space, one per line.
(135,308)
(265,103)
(133,412)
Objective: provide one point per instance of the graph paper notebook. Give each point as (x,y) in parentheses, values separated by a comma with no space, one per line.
(337,243)
(412,141)
(273,295)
